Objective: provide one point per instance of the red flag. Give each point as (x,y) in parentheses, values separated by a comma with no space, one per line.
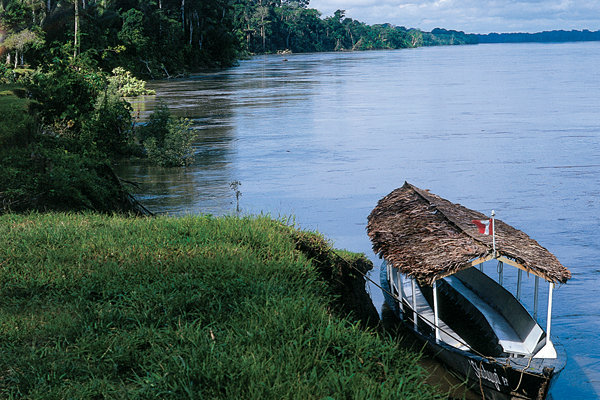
(484,226)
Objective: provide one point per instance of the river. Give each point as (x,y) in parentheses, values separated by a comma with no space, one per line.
(320,138)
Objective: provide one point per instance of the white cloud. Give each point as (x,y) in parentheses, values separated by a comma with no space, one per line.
(471,15)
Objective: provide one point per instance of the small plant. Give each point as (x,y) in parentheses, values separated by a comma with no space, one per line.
(109,124)
(167,141)
(235,185)
(176,150)
(6,74)
(128,85)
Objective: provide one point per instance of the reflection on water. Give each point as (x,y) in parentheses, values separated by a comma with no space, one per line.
(164,190)
(204,186)
(323,137)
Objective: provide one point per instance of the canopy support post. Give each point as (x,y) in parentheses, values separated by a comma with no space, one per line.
(500,272)
(548,351)
(549,318)
(414,304)
(519,277)
(435,312)
(388,270)
(494,232)
(401,285)
(535,297)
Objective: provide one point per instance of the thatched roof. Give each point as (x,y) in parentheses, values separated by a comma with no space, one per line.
(428,237)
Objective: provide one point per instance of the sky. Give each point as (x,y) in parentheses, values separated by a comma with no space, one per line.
(471,16)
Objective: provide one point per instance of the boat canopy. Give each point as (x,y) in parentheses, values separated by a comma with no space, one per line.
(428,237)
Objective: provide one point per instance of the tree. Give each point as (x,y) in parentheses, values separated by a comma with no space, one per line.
(335,29)
(76,29)
(242,16)
(262,15)
(20,42)
(415,37)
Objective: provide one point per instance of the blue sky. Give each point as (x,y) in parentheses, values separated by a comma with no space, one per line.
(472,16)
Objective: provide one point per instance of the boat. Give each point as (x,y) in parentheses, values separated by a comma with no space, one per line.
(433,254)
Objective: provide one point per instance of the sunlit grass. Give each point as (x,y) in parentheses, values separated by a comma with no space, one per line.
(12,96)
(195,307)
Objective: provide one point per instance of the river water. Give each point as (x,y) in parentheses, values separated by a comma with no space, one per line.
(322,137)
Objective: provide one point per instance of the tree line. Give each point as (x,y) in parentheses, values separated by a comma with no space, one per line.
(164,38)
(546,37)
(68,64)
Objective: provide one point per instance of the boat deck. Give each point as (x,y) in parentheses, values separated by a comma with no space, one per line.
(425,312)
(508,338)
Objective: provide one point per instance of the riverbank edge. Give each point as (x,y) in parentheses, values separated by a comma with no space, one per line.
(46,171)
(160,307)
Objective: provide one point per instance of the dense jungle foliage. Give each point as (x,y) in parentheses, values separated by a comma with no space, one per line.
(61,128)
(57,135)
(164,38)
(66,65)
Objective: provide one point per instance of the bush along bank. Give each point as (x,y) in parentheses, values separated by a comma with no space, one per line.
(41,169)
(62,128)
(343,271)
(195,307)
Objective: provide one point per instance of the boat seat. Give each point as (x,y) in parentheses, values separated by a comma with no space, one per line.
(508,338)
(425,311)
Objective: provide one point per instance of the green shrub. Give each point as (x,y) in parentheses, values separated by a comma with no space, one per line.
(109,125)
(157,125)
(177,146)
(61,163)
(17,128)
(127,85)
(45,175)
(168,142)
(6,74)
(77,102)
(66,94)
(18,125)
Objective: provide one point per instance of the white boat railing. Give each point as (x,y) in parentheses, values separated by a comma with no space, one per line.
(548,351)
(400,293)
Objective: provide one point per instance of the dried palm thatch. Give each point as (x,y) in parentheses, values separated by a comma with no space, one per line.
(428,237)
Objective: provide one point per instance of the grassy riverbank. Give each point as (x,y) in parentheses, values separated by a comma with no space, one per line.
(198,307)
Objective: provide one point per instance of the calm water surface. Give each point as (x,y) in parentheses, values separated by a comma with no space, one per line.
(322,137)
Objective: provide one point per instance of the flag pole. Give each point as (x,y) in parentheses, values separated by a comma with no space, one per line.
(494,232)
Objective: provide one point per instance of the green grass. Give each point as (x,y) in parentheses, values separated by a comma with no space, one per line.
(16,123)
(13,95)
(198,307)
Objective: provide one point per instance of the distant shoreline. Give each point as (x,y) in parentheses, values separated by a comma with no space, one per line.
(556,36)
